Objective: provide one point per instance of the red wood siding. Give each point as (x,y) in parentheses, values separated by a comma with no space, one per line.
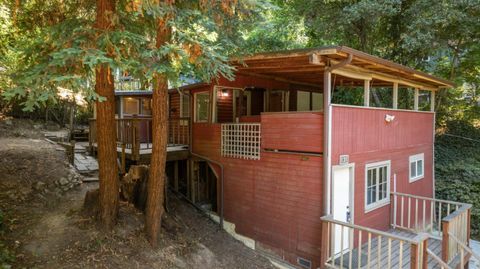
(364,135)
(294,131)
(277,200)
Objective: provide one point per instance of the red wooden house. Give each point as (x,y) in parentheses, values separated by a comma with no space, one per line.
(322,158)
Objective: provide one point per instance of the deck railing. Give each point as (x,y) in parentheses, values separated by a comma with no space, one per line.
(241,140)
(369,248)
(135,134)
(439,218)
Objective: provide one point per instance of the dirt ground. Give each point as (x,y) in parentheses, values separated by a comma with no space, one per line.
(41,225)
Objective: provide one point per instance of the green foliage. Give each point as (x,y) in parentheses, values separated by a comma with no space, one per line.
(457,167)
(56,44)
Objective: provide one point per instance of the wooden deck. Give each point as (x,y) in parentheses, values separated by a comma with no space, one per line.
(175,152)
(379,258)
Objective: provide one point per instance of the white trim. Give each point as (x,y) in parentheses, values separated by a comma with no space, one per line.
(379,203)
(383,108)
(415,158)
(195,106)
(121,109)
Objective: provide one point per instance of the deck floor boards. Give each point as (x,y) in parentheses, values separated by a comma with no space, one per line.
(381,262)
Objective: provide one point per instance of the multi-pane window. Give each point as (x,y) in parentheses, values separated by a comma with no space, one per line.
(184,105)
(377,185)
(416,167)
(202,102)
(131,106)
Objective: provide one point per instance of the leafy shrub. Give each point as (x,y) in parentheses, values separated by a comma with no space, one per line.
(457,167)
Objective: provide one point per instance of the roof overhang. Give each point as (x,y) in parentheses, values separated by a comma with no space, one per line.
(307,66)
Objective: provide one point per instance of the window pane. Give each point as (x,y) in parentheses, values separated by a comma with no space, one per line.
(413,170)
(303,101)
(202,104)
(185,109)
(130,105)
(419,167)
(146,106)
(317,101)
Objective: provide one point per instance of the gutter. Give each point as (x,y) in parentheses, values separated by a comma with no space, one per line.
(208,160)
(327,132)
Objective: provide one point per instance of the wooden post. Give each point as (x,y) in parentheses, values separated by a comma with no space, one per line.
(424,253)
(175,175)
(468,225)
(189,178)
(395,95)
(136,140)
(415,100)
(366,93)
(123,158)
(432,101)
(414,256)
(324,245)
(445,241)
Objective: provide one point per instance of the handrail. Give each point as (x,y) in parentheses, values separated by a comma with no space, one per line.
(438,260)
(457,212)
(427,198)
(329,218)
(465,247)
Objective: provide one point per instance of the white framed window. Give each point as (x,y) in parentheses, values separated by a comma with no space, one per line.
(131,106)
(377,185)
(416,166)
(202,106)
(184,105)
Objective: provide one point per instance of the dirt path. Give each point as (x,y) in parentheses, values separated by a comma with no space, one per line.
(40,201)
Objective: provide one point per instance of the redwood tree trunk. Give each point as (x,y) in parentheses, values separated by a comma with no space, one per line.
(106,136)
(156,180)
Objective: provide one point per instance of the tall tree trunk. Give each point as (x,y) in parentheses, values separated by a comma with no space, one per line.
(106,136)
(156,179)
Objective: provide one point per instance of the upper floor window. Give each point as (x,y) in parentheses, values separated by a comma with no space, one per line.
(184,105)
(131,106)
(146,106)
(377,185)
(416,167)
(202,104)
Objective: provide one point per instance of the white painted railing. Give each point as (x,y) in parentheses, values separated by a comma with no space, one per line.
(241,140)
(420,214)
(441,219)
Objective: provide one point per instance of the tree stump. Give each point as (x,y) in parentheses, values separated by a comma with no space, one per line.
(133,186)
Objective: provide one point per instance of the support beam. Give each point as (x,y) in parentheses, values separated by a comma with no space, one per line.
(432,101)
(327,108)
(366,93)
(395,95)
(415,100)
(175,175)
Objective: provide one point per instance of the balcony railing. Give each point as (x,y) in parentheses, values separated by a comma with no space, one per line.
(135,134)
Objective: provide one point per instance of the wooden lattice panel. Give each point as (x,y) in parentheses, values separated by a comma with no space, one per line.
(241,140)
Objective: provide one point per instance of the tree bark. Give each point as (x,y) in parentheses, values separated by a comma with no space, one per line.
(156,180)
(106,136)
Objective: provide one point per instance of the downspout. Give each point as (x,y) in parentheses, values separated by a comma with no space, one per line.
(327,131)
(208,160)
